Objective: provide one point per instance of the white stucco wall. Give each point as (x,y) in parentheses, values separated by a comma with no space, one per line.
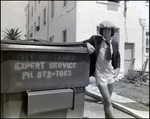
(91,13)
(81,18)
(134,34)
(137,10)
(64,19)
(142,8)
(143,12)
(40,6)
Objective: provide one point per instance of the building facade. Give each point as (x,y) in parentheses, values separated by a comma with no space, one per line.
(74,21)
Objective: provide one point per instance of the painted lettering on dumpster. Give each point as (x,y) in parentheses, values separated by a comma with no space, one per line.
(41,57)
(44,70)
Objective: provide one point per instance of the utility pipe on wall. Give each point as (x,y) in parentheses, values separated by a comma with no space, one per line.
(48,22)
(143,24)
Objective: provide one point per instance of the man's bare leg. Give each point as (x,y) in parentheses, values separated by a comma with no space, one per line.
(105,91)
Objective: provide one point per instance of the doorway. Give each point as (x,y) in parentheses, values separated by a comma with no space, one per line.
(128,57)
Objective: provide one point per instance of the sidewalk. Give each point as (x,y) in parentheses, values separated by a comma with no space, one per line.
(125,104)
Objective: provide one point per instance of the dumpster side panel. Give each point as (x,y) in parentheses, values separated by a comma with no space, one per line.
(79,104)
(38,71)
(41,70)
(16,105)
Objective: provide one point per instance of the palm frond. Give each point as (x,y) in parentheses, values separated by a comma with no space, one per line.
(12,34)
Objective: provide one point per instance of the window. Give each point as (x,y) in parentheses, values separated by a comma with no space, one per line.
(98,28)
(31,34)
(65,3)
(35,5)
(44,16)
(116,1)
(113,2)
(32,10)
(34,27)
(64,36)
(116,34)
(52,9)
(147,2)
(39,23)
(29,13)
(51,39)
(147,42)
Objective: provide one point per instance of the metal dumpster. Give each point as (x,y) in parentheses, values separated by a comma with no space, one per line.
(42,79)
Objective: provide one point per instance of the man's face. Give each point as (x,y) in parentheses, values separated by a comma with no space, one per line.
(107,32)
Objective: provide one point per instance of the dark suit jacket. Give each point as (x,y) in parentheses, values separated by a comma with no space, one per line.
(96,40)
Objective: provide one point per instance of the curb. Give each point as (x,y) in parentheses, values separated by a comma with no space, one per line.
(92,92)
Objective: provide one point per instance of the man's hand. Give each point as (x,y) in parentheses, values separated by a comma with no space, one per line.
(116,74)
(92,80)
(90,48)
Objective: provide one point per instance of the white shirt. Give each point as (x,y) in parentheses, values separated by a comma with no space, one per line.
(104,68)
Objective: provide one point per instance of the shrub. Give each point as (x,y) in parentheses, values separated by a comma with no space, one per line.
(139,76)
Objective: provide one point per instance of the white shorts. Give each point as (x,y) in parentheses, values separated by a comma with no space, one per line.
(104,81)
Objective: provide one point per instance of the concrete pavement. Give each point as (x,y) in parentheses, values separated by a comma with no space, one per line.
(93,109)
(125,104)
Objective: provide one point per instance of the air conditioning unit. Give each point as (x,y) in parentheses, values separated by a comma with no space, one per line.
(37,28)
(44,22)
(30,34)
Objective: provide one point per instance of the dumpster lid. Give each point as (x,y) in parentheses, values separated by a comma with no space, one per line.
(41,42)
(45,46)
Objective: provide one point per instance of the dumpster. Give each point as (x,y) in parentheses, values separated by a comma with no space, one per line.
(42,79)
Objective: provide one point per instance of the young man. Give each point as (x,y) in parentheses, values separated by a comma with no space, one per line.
(105,62)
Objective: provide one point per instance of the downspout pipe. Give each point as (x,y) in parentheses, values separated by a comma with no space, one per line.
(72,8)
(48,22)
(125,8)
(143,24)
(28,21)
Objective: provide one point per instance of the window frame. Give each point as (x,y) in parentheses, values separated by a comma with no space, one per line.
(51,39)
(147,2)
(44,16)
(39,22)
(116,35)
(34,27)
(52,9)
(107,2)
(35,5)
(147,41)
(64,35)
(32,11)
(31,34)
(64,3)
